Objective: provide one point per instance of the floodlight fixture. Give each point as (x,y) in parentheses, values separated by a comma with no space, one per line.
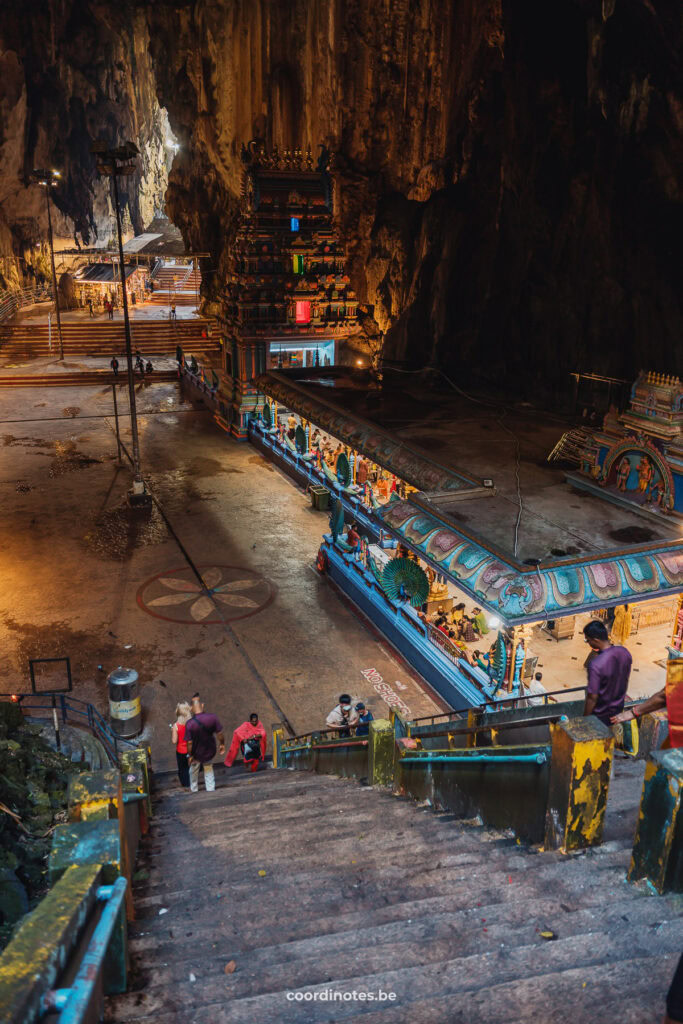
(48,179)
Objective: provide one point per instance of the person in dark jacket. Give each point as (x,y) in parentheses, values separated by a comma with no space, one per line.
(364,719)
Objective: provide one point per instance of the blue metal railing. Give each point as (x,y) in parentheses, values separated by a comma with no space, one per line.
(78,712)
(539,758)
(74,1003)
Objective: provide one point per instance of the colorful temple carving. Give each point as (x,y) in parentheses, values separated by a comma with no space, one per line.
(637,457)
(289,301)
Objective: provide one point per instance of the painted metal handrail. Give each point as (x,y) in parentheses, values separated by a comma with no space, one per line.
(547,697)
(75,1002)
(472,730)
(319,733)
(345,742)
(539,758)
(70,709)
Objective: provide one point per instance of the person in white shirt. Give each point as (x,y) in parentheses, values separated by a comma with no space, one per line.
(342,718)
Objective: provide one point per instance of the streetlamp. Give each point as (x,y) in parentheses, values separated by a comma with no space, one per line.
(48,179)
(116,163)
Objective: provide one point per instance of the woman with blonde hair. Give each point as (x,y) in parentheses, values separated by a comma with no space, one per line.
(183,713)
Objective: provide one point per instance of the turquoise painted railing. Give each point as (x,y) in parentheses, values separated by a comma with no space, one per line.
(539,758)
(68,953)
(77,1003)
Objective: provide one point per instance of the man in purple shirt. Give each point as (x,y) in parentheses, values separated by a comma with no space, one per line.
(608,668)
(200,733)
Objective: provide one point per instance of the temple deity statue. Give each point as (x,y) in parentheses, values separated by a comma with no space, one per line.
(623,470)
(645,471)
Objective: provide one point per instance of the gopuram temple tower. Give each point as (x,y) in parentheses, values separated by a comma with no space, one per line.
(289,303)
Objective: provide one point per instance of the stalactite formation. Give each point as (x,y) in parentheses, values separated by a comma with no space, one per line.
(506,174)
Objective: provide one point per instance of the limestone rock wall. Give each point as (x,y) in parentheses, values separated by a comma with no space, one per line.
(70,71)
(508,175)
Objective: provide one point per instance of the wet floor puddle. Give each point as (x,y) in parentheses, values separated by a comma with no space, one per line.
(118,531)
(258,460)
(66,458)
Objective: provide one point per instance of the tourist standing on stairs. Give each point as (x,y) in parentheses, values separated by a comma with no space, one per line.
(183,712)
(249,738)
(364,718)
(342,718)
(114,365)
(609,669)
(201,732)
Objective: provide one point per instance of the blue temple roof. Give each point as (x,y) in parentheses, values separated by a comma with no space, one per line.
(597,574)
(520,593)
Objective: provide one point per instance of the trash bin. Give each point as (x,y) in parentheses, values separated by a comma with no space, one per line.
(124,702)
(320,497)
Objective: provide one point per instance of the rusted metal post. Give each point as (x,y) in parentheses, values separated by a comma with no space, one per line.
(116,420)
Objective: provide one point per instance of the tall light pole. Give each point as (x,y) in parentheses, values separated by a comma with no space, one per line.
(116,163)
(48,179)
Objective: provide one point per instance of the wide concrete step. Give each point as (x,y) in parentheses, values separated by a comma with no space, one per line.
(85,377)
(307,894)
(432,937)
(552,999)
(459,976)
(508,908)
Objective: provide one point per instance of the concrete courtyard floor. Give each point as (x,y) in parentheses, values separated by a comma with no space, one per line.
(86,577)
(40,312)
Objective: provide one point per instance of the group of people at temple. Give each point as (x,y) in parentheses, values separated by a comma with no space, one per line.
(197,736)
(367,474)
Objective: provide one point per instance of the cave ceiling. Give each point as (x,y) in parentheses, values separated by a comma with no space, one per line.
(507,176)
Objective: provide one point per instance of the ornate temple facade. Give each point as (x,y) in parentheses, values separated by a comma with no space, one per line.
(637,457)
(289,301)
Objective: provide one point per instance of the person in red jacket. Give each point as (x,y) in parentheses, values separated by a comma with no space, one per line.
(249,739)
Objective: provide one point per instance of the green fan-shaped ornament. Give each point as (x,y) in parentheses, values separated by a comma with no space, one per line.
(300,440)
(343,471)
(500,659)
(336,518)
(267,416)
(404,580)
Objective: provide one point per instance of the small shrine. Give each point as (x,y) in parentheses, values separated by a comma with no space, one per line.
(289,302)
(101,282)
(637,457)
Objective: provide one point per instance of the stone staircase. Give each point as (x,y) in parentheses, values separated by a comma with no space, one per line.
(177,285)
(77,744)
(172,277)
(82,378)
(288,882)
(104,338)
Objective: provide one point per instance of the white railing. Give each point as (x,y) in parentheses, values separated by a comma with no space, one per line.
(10,302)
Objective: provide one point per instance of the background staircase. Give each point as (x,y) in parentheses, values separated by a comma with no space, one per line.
(178,285)
(307,882)
(82,377)
(103,339)
(77,744)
